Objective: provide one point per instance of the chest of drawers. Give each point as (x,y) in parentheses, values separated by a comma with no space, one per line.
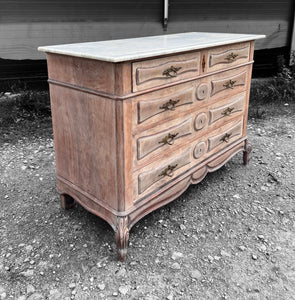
(137,121)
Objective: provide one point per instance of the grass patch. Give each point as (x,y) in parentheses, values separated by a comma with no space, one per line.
(273,96)
(20,105)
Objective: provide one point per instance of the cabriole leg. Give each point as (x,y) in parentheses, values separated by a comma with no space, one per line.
(122,237)
(247,152)
(66,201)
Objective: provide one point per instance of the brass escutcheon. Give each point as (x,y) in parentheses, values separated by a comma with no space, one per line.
(171,72)
(169,139)
(168,171)
(203,64)
(170,105)
(230,84)
(228,111)
(226,137)
(231,57)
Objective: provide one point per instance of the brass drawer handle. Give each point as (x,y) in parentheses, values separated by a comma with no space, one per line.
(171,72)
(231,57)
(226,137)
(168,171)
(228,111)
(230,84)
(169,139)
(170,105)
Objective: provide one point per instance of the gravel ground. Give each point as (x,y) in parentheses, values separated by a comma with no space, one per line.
(230,237)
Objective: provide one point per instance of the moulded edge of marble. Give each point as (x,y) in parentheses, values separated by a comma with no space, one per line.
(119,50)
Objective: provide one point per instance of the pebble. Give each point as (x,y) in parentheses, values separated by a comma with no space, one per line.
(269,210)
(36,296)
(175,266)
(224,253)
(55,294)
(122,272)
(29,248)
(28,273)
(262,248)
(242,248)
(254,257)
(210,258)
(101,286)
(30,289)
(124,289)
(72,285)
(3,296)
(196,274)
(176,255)
(170,297)
(182,227)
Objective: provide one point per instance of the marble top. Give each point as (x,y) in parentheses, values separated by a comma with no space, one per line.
(137,48)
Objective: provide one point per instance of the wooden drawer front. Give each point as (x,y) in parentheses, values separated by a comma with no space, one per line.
(228,83)
(216,140)
(149,109)
(148,144)
(224,138)
(162,140)
(164,172)
(227,110)
(228,56)
(157,173)
(151,73)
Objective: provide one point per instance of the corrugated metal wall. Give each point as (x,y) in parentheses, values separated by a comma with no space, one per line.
(27,24)
(230,9)
(141,10)
(80,10)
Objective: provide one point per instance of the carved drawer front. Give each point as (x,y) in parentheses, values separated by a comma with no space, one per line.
(222,85)
(165,139)
(229,83)
(228,56)
(236,105)
(220,138)
(225,137)
(148,109)
(151,73)
(163,173)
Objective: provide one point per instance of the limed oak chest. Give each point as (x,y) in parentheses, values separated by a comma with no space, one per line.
(137,121)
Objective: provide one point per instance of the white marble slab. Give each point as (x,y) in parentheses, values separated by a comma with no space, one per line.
(137,48)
